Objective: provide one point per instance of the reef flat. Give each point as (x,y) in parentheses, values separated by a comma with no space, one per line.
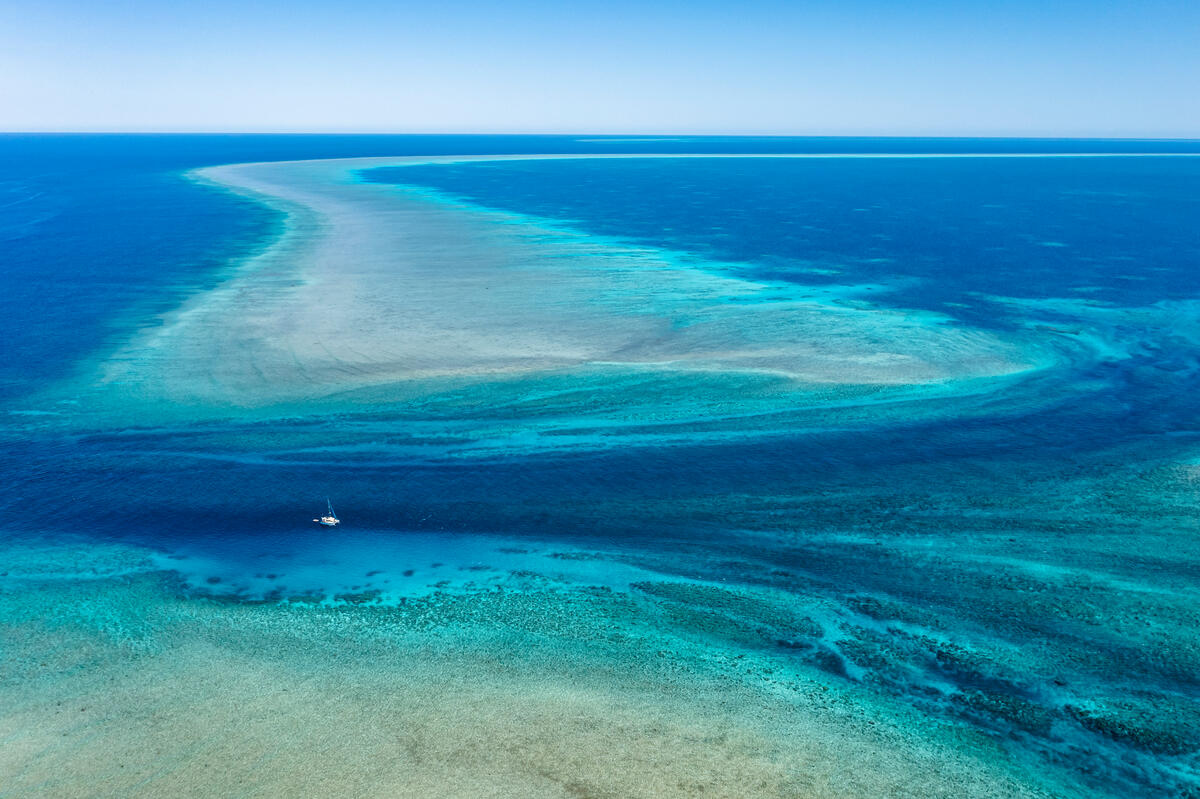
(372,287)
(539,691)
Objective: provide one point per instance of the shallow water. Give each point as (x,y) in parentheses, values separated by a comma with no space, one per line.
(686,435)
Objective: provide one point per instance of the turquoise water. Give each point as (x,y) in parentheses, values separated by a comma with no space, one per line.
(994,527)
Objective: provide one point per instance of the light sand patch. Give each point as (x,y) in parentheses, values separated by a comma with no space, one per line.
(372,285)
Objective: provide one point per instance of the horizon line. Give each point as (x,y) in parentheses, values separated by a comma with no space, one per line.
(577,134)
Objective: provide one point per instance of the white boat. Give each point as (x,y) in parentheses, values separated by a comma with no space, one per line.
(330,519)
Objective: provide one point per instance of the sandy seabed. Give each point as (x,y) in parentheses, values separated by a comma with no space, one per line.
(373,285)
(112,685)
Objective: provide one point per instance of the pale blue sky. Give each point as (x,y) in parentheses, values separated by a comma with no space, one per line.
(924,67)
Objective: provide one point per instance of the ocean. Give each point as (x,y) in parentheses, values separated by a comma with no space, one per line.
(757,466)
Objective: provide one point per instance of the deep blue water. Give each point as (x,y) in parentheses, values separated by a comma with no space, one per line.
(889,518)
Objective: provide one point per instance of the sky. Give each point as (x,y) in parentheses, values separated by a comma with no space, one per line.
(1120,68)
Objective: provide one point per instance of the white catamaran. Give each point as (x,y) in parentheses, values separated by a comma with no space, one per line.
(330,519)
